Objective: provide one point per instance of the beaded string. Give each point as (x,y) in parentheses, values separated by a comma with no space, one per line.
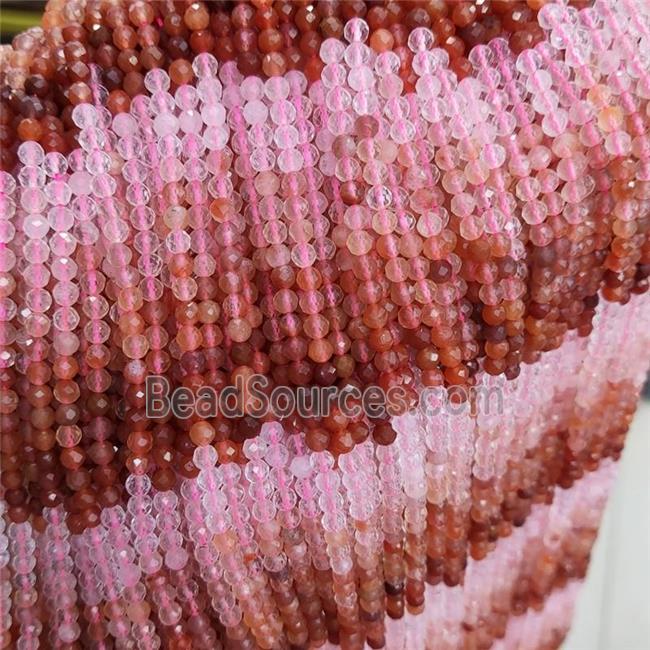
(322,248)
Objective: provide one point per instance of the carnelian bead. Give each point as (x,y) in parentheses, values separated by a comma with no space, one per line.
(29,129)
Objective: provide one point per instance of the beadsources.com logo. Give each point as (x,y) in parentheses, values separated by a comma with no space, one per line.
(254,397)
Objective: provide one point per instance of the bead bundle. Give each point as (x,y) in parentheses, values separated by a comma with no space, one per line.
(286,548)
(339,196)
(48,69)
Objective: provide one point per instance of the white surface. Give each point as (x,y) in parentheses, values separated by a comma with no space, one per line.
(613,610)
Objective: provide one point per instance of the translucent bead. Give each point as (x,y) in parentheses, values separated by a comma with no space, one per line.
(360,243)
(365,103)
(92,138)
(157,80)
(534,212)
(85,115)
(31,177)
(33,200)
(361,78)
(190,121)
(262,159)
(124,125)
(387,63)
(205,65)
(379,196)
(331,50)
(35,226)
(420,39)
(493,155)
(463,204)
(431,224)
(555,123)
(277,455)
(186,97)
(303,255)
(255,112)
(68,436)
(278,88)
(7,183)
(209,90)
(138,485)
(216,137)
(427,87)
(283,112)
(165,124)
(618,143)
(471,227)
(334,75)
(213,114)
(357,54)
(290,160)
(30,153)
(356,30)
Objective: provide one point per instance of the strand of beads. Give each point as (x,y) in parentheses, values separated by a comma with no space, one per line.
(6,621)
(486,488)
(94,358)
(141,311)
(239,319)
(208,505)
(77,382)
(93,187)
(390,216)
(391,519)
(339,550)
(250,584)
(169,612)
(165,269)
(314,535)
(269,230)
(361,483)
(156,550)
(617,109)
(35,313)
(53,69)
(412,454)
(438,466)
(270,510)
(130,577)
(463,437)
(442,225)
(167,523)
(113,541)
(200,625)
(142,524)
(25,611)
(59,581)
(105,585)
(95,628)
(502,308)
(295,544)
(11,454)
(75,233)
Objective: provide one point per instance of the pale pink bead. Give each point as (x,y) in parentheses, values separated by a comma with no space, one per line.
(471,227)
(463,204)
(618,143)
